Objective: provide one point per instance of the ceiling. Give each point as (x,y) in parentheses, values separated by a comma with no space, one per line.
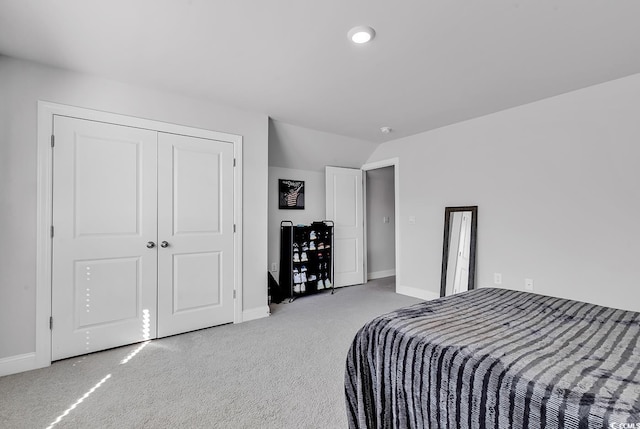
(432,63)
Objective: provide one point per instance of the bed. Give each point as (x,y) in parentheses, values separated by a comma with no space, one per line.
(496,358)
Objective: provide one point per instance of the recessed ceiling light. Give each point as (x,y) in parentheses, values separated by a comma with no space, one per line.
(361,34)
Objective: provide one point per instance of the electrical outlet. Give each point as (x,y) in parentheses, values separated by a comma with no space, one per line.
(274,267)
(528,284)
(497,278)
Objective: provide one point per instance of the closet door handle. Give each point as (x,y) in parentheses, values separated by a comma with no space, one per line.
(151,245)
(164,244)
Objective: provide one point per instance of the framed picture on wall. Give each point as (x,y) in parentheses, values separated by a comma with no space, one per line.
(291,194)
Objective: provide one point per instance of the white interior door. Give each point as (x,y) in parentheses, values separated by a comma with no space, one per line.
(195,223)
(104,278)
(345,208)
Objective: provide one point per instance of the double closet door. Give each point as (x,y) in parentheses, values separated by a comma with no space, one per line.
(143,235)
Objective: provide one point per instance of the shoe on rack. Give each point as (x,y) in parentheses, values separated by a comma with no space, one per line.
(327,283)
(312,235)
(305,247)
(304,257)
(320,246)
(303,288)
(296,288)
(296,257)
(320,284)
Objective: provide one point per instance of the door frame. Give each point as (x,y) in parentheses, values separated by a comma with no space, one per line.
(395,163)
(46,112)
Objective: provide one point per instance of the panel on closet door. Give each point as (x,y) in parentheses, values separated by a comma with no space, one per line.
(106,291)
(192,275)
(107,172)
(196,190)
(104,278)
(195,224)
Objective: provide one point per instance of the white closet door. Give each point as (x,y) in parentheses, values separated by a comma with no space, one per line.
(104,278)
(345,208)
(195,223)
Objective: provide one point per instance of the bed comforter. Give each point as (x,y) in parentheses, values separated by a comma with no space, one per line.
(495,358)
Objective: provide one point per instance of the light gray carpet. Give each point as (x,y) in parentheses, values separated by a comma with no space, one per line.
(285,371)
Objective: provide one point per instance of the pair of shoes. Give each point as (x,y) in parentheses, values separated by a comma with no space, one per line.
(305,247)
(304,257)
(320,246)
(327,283)
(312,235)
(320,284)
(296,257)
(312,245)
(296,276)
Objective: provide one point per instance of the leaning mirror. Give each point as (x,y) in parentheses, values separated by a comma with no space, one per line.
(459,250)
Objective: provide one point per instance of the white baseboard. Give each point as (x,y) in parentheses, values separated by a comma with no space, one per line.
(381,274)
(18,363)
(417,293)
(255,313)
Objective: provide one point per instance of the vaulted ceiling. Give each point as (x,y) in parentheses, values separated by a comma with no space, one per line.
(432,62)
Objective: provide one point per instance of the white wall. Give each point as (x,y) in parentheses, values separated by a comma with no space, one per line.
(22,84)
(556,183)
(301,148)
(381,242)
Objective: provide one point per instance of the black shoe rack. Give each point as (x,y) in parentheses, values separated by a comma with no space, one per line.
(306,258)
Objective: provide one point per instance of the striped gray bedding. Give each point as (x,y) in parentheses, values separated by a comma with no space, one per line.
(495,358)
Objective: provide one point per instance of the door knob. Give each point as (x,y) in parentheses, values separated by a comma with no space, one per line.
(164,244)
(151,245)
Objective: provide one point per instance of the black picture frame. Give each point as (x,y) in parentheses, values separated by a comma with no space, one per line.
(290,194)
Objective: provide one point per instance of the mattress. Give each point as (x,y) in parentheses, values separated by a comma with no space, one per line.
(495,358)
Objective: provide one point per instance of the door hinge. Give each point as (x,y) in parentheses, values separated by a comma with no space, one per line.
(234,162)
(234,294)
(234,227)
(51,322)
(53,140)
(51,231)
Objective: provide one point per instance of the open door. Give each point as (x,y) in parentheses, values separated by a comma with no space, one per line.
(345,209)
